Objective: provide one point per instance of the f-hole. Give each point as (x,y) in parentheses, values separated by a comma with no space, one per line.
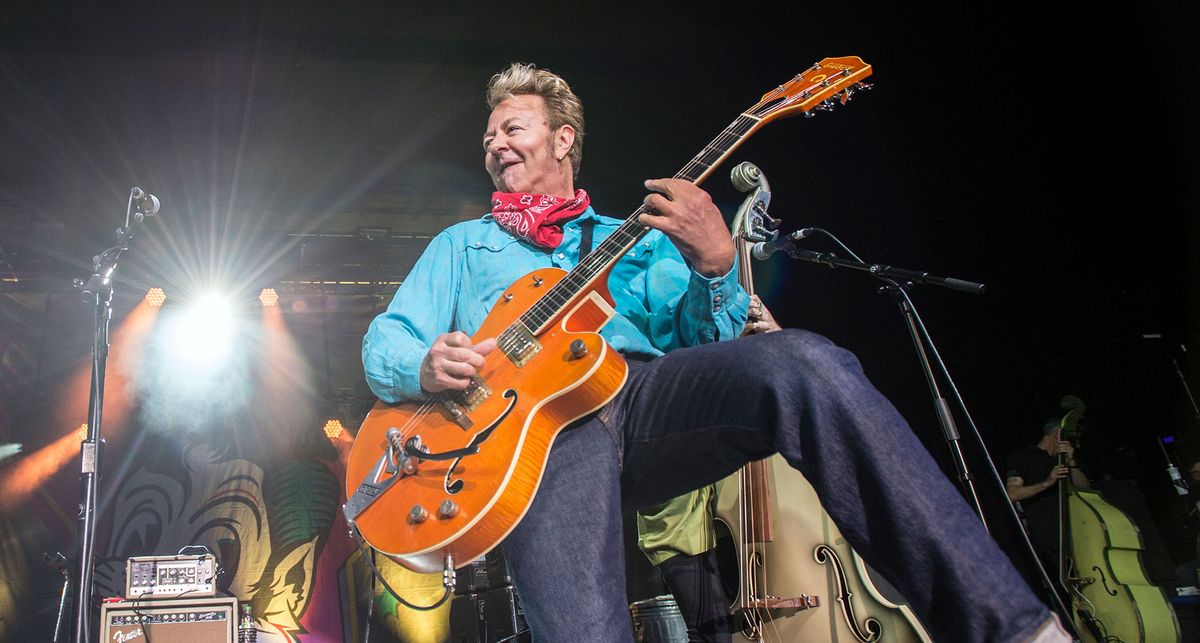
(454,486)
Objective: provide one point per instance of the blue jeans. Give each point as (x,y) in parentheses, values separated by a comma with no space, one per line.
(695,416)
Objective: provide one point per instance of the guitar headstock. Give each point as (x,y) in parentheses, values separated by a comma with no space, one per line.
(822,87)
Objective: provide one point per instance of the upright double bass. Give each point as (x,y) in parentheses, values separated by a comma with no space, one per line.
(789,573)
(1100,562)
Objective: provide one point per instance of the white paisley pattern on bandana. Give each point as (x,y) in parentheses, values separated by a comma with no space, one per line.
(539,224)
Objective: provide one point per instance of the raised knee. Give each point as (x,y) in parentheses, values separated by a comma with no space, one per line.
(809,350)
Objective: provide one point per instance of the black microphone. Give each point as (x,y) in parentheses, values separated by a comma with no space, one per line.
(144,201)
(764,249)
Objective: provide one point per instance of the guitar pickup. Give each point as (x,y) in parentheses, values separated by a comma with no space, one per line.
(519,344)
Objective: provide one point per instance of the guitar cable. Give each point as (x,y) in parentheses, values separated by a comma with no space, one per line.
(447,579)
(520,632)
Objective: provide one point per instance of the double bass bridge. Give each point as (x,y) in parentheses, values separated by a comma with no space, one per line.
(801,602)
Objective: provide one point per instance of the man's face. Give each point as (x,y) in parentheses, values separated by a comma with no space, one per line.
(1196,473)
(521,152)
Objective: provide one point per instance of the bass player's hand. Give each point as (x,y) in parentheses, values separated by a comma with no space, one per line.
(452,361)
(758,319)
(1058,472)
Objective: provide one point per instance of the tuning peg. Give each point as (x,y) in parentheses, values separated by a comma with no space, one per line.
(846,95)
(862,87)
(826,105)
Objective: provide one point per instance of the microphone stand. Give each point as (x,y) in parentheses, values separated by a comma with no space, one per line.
(897,282)
(98,291)
(1187,390)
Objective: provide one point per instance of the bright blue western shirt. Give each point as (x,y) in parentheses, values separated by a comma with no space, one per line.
(661,303)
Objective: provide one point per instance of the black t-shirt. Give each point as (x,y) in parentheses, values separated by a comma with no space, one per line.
(1033,465)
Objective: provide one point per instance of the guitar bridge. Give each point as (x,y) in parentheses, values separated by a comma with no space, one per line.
(458,405)
(519,345)
(456,412)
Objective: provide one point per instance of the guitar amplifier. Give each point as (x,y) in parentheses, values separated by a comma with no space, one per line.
(166,576)
(179,620)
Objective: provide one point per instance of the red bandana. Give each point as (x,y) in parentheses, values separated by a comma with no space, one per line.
(537,218)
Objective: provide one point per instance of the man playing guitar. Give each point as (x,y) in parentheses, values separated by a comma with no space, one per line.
(694,407)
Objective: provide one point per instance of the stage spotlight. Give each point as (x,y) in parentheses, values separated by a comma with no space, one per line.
(203,335)
(9,450)
(333,429)
(268,297)
(155,297)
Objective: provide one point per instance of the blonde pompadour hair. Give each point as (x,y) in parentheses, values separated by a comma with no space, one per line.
(563,107)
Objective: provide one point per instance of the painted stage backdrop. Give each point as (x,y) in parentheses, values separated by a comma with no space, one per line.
(238,460)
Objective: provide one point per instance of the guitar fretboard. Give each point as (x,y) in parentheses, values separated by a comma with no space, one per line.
(627,234)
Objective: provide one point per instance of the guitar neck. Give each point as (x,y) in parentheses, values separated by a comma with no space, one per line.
(598,263)
(821,87)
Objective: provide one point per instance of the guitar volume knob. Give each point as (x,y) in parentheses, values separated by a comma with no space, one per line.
(448,509)
(578,348)
(417,515)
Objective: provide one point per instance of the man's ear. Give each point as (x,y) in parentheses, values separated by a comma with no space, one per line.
(564,138)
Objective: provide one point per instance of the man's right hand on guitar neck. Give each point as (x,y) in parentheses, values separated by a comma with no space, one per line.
(452,361)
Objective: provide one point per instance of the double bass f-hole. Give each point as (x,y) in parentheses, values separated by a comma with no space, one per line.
(1103,580)
(871,630)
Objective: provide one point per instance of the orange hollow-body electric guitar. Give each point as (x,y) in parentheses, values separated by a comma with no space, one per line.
(438,483)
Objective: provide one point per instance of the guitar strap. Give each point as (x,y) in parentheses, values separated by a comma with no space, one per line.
(585,238)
